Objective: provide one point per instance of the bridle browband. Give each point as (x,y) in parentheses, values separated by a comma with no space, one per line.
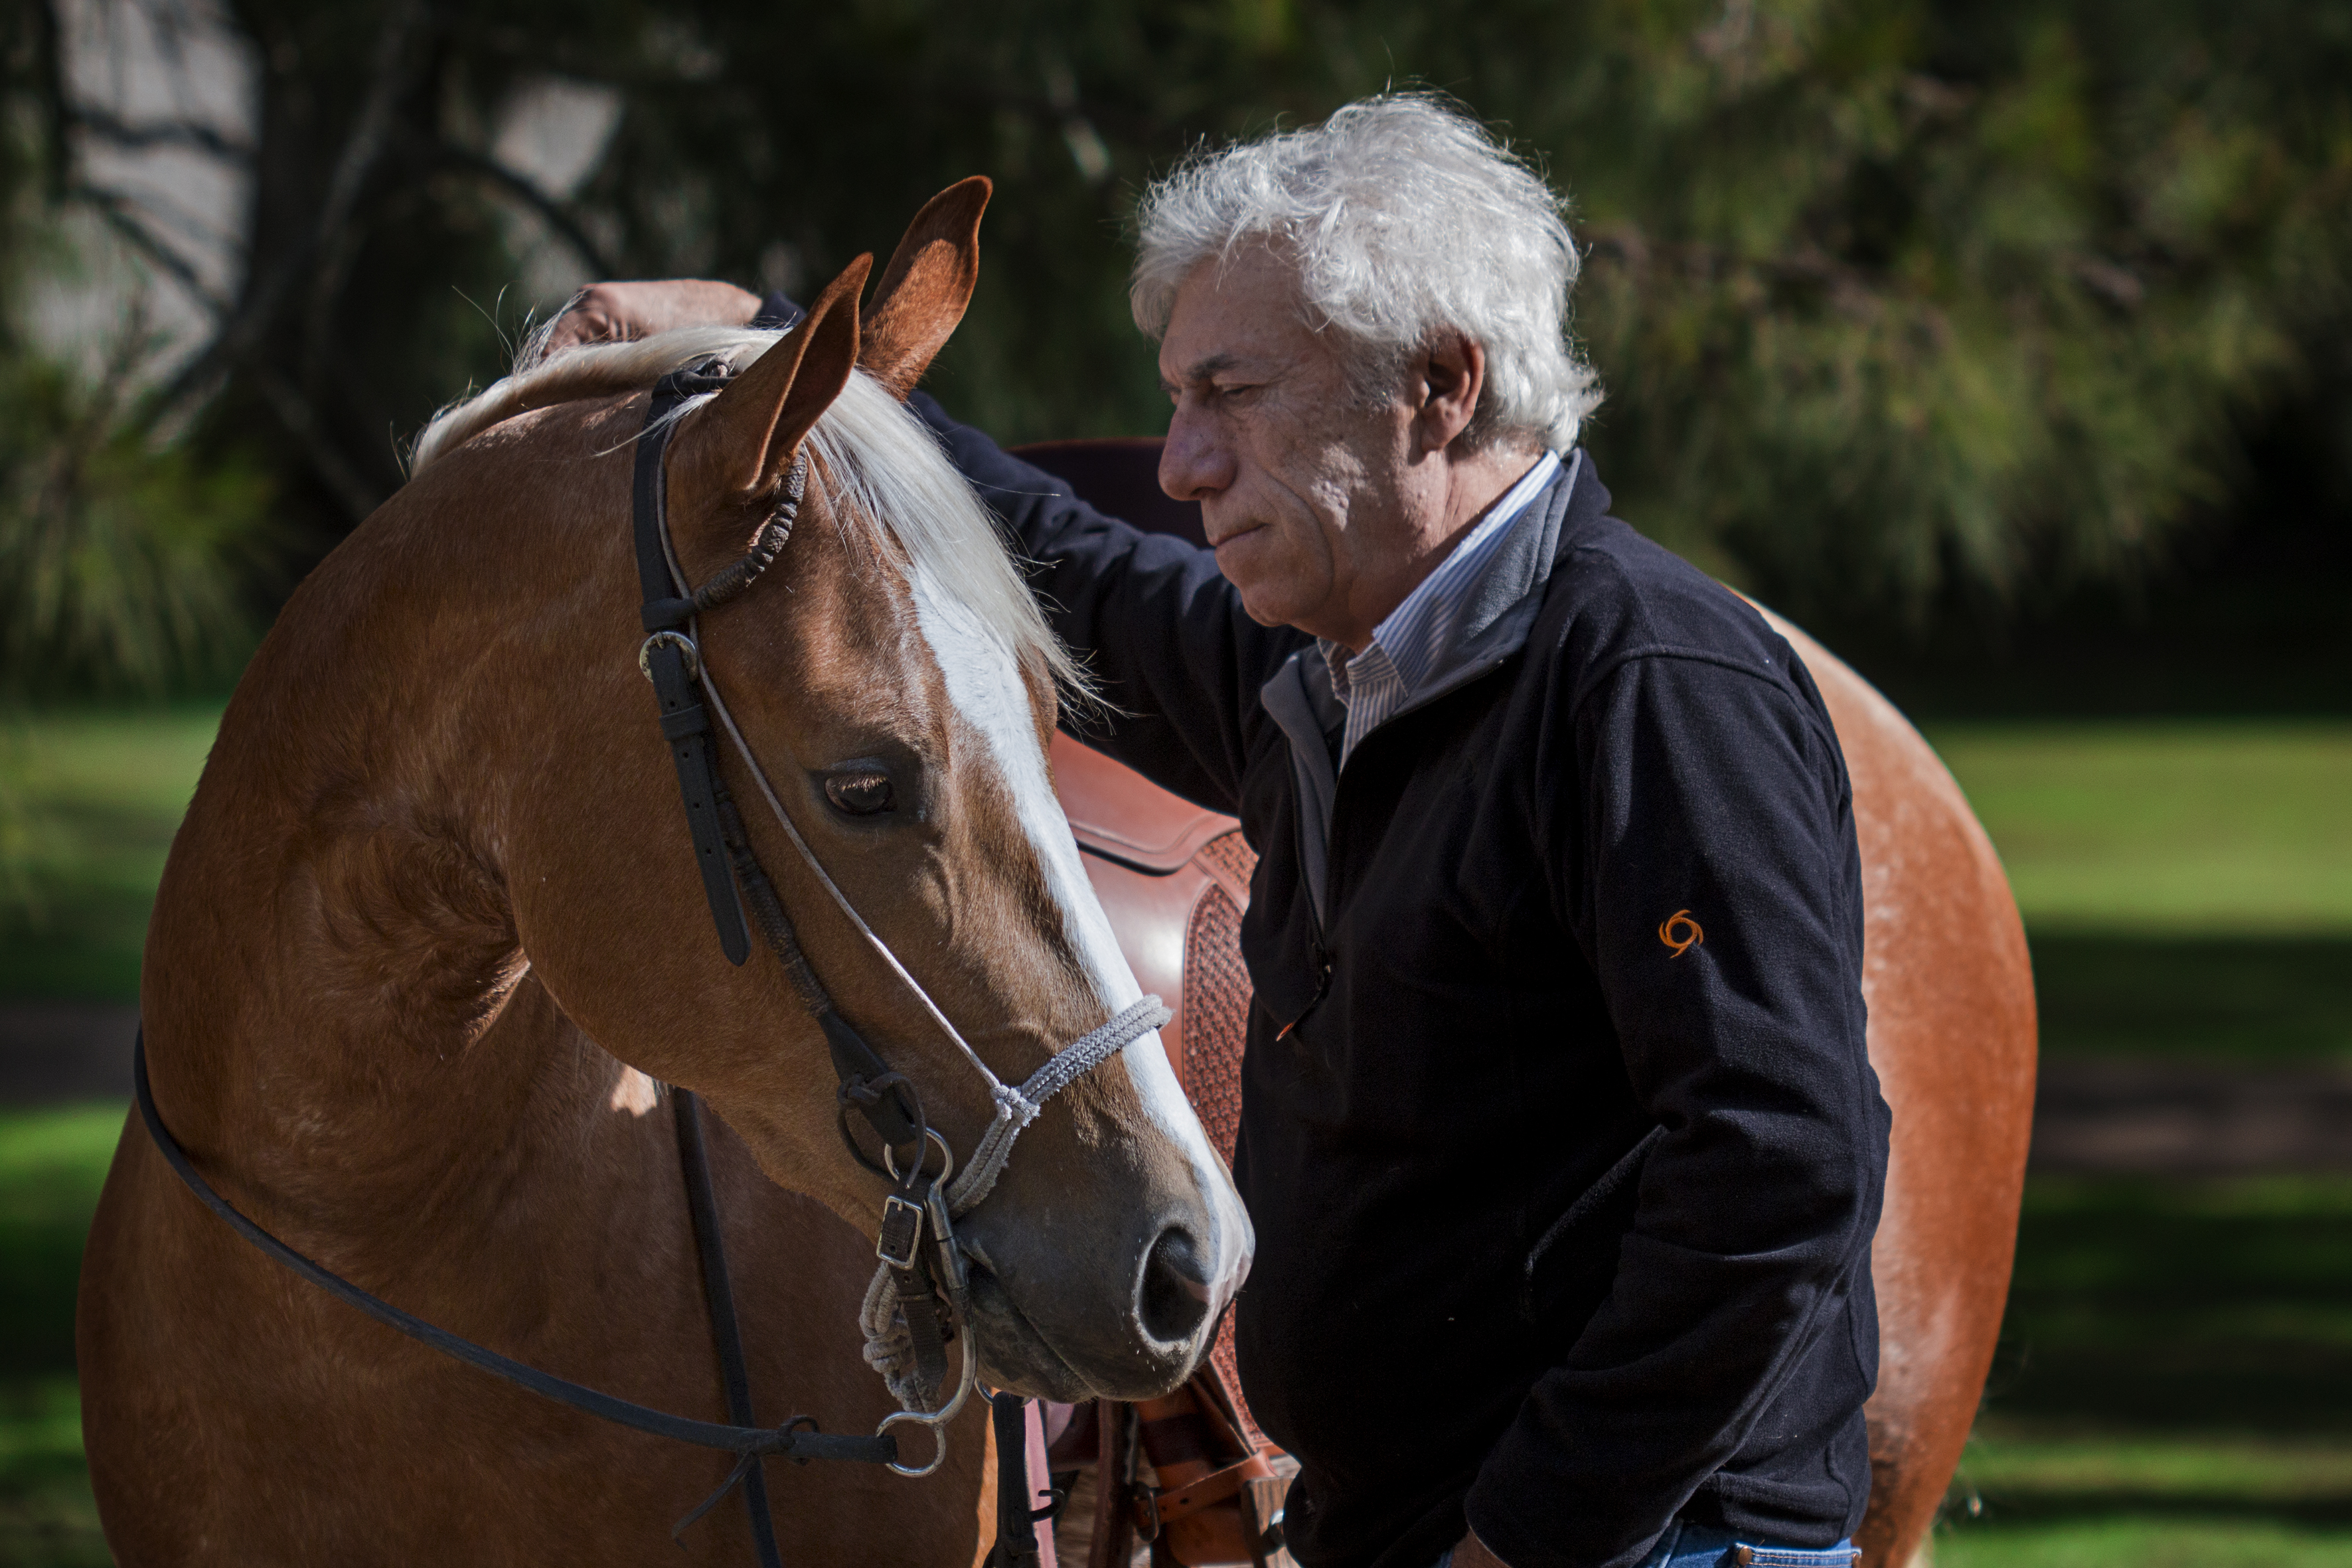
(907,1326)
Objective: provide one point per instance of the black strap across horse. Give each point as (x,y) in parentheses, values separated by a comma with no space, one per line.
(792,1440)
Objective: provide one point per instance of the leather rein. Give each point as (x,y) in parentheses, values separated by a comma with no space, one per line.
(905,1321)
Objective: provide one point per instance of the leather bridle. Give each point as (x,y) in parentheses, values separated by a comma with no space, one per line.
(919,1260)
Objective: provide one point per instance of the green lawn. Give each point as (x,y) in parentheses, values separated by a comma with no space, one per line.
(101,796)
(2123,1500)
(2226,997)
(2187,886)
(2186,829)
(51,1165)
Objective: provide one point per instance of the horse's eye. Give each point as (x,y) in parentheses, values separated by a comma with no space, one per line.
(863,793)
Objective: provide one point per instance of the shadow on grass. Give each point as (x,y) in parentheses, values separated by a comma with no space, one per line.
(39,1264)
(52,1166)
(2256,1000)
(2204,1306)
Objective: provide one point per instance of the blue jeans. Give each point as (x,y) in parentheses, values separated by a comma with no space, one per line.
(1696,1546)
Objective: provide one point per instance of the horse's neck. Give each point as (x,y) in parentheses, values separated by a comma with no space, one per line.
(334,987)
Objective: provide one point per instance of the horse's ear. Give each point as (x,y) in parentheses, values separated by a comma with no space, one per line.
(737,448)
(925,287)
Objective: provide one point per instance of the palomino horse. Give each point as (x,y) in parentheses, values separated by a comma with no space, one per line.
(1945,973)
(434,928)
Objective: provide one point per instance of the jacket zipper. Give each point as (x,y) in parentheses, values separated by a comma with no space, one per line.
(1317,953)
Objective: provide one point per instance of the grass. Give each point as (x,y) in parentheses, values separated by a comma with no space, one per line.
(2158,1305)
(48,1517)
(2171,829)
(52,1164)
(2132,1541)
(102,793)
(2175,1381)
(2229,997)
(2187,886)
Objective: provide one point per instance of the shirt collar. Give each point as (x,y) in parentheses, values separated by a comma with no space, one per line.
(1415,638)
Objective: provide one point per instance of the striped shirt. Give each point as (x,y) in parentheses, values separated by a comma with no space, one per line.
(1408,653)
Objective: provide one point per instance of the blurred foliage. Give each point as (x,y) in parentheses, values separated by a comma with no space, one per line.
(1884,292)
(1888,295)
(125,562)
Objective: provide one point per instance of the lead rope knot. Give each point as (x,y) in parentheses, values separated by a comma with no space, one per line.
(779,1441)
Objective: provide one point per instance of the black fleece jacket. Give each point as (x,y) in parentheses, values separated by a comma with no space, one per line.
(1558,1130)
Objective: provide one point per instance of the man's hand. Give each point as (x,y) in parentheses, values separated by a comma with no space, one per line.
(1471,1552)
(622,312)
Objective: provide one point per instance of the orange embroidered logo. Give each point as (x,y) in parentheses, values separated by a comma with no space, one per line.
(1681,932)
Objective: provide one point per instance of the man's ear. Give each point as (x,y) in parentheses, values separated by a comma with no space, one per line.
(925,288)
(1450,379)
(735,450)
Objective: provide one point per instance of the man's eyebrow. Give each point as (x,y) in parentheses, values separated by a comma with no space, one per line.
(1201,369)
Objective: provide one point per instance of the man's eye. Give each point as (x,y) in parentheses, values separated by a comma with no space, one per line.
(862,793)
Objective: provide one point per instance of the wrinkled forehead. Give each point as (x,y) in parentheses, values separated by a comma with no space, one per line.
(1243,313)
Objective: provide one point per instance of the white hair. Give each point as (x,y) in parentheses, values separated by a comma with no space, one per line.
(1405,217)
(892,484)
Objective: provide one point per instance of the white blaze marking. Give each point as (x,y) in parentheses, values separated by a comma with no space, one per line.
(986,688)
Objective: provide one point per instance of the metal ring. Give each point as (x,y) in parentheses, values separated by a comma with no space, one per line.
(937,1420)
(685,646)
(930,1135)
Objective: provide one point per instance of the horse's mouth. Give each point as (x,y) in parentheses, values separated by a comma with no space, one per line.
(1015,1355)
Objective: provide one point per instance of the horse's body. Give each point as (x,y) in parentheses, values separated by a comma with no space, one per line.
(1946,976)
(434,926)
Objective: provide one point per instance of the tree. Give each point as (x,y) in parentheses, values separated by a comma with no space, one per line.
(1886,294)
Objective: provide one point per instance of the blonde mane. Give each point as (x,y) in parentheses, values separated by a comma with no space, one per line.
(891,479)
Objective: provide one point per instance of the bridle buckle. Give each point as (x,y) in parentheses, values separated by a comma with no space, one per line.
(901,1237)
(683,643)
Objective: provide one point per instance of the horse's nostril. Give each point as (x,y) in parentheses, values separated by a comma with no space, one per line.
(1173,1295)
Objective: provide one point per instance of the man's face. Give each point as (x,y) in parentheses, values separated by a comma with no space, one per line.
(1301,487)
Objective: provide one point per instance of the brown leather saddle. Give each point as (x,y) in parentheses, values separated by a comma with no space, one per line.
(1189,1476)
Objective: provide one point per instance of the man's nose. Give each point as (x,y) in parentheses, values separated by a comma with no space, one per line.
(1195,463)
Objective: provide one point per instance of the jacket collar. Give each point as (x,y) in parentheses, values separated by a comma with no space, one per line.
(1498,613)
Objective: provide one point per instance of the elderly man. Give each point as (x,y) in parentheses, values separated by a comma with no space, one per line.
(1558,1130)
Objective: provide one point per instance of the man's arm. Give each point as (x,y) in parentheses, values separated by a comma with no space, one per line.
(1713,884)
(1177,659)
